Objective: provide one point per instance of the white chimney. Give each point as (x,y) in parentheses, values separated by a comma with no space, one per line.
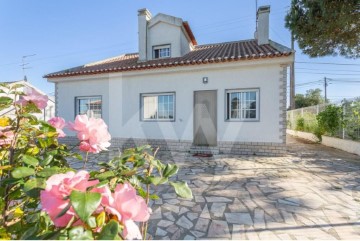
(262,22)
(143,17)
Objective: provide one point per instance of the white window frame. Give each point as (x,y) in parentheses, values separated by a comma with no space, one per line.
(242,118)
(160,48)
(157,106)
(77,106)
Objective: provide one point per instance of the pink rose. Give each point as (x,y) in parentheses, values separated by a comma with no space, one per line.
(35,97)
(127,206)
(58,187)
(92,133)
(6,135)
(59,124)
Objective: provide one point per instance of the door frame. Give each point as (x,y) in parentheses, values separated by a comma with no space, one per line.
(216,115)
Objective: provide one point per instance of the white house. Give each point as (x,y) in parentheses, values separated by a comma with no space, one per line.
(229,97)
(45,114)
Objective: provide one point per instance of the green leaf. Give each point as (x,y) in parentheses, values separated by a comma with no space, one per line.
(32,161)
(105,175)
(5,102)
(158,180)
(33,187)
(46,161)
(21,172)
(101,184)
(170,169)
(91,222)
(154,197)
(78,233)
(110,231)
(62,213)
(29,233)
(182,189)
(85,203)
(47,172)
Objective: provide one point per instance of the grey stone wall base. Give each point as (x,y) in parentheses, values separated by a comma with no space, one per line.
(224,147)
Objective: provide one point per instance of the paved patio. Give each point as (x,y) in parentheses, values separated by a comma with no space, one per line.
(314,192)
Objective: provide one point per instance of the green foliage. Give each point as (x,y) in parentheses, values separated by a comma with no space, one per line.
(312,97)
(330,120)
(326,27)
(352,118)
(300,124)
(110,231)
(34,155)
(84,203)
(182,189)
(318,131)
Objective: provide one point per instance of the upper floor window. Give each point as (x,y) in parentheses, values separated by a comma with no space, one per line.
(162,51)
(242,105)
(158,106)
(89,105)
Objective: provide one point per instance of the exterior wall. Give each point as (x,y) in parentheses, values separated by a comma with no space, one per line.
(161,34)
(238,148)
(268,78)
(164,29)
(186,45)
(66,92)
(121,97)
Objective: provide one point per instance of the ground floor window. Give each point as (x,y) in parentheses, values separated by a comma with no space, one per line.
(242,105)
(89,105)
(158,106)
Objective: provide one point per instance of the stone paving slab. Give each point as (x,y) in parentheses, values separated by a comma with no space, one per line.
(312,193)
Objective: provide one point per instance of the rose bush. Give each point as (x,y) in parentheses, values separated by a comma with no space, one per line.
(44,198)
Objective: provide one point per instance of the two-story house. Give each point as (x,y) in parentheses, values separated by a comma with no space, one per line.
(228,97)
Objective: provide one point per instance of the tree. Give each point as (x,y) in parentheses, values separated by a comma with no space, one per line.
(312,97)
(326,27)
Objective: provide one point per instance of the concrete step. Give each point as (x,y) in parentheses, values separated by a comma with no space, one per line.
(214,150)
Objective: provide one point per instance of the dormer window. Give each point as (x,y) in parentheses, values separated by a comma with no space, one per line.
(162,51)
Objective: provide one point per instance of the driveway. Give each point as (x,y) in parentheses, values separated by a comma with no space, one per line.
(313,192)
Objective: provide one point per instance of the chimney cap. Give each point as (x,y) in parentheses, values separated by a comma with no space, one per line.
(263,9)
(144,11)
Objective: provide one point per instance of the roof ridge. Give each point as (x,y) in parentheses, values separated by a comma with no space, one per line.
(228,42)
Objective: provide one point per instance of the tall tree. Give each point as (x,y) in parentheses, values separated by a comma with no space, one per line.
(326,27)
(312,97)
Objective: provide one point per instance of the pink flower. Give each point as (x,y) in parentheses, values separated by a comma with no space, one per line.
(92,133)
(127,206)
(6,135)
(59,124)
(58,187)
(33,96)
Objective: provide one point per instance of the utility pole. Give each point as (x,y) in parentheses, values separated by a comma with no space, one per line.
(325,88)
(24,65)
(292,76)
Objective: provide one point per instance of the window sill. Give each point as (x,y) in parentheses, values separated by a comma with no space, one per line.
(157,120)
(255,120)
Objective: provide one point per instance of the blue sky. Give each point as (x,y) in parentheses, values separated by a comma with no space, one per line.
(69,33)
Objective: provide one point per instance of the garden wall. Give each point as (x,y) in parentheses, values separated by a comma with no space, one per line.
(345,145)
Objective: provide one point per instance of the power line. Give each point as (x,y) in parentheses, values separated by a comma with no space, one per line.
(340,70)
(304,62)
(324,73)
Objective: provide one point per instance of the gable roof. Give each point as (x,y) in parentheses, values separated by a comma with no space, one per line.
(202,54)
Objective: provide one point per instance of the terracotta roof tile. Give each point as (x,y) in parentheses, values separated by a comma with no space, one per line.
(202,54)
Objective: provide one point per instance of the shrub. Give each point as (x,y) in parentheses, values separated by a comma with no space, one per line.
(330,120)
(300,124)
